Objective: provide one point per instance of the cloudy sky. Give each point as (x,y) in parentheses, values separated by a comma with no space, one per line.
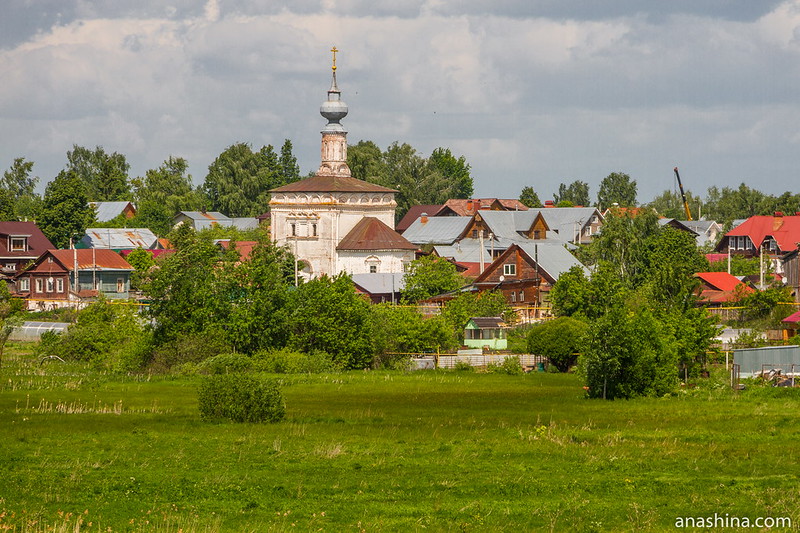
(531,92)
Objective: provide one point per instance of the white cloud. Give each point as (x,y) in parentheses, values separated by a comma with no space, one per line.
(529,99)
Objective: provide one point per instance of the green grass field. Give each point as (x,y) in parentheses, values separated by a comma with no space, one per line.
(387,451)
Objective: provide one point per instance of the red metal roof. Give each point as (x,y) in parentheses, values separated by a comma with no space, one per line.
(721,281)
(414,212)
(784,229)
(794,318)
(332,184)
(372,234)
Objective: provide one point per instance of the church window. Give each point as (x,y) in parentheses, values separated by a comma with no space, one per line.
(293,227)
(373,269)
(313,229)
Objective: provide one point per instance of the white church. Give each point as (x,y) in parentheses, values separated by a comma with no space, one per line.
(333,222)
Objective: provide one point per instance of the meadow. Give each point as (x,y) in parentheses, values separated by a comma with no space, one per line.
(386,451)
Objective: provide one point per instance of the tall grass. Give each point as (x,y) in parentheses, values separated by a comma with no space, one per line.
(386,451)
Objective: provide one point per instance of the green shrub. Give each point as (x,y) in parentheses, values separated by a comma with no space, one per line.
(287,361)
(463,366)
(511,366)
(188,348)
(240,398)
(226,363)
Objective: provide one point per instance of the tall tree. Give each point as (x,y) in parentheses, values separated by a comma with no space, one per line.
(576,193)
(239,180)
(670,204)
(21,190)
(429,276)
(616,188)
(529,197)
(330,316)
(365,160)
(289,169)
(729,204)
(454,170)
(105,175)
(66,212)
(162,193)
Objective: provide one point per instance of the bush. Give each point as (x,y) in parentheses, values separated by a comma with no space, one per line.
(511,366)
(188,348)
(559,340)
(226,363)
(463,366)
(286,361)
(240,398)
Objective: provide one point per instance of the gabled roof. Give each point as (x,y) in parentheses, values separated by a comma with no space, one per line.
(245,248)
(465,251)
(794,318)
(372,234)
(677,224)
(37,242)
(119,238)
(437,230)
(468,207)
(332,184)
(784,229)
(721,281)
(568,221)
(86,259)
(414,212)
(553,259)
(205,215)
(109,210)
(487,322)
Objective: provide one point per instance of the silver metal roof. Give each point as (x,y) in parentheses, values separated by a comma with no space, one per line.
(380,282)
(119,238)
(466,251)
(553,259)
(108,210)
(437,230)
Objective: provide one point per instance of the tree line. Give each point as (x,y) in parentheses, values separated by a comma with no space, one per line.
(721,204)
(237,184)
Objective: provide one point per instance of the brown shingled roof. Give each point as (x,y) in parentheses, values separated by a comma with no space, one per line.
(332,184)
(37,242)
(372,234)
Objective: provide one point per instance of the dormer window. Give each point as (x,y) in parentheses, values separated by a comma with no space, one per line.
(18,243)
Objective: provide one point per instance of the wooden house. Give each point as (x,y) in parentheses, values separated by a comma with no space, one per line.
(64,278)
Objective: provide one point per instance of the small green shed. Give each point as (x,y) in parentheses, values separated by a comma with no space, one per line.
(487,331)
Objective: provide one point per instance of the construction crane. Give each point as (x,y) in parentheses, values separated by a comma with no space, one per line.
(683,195)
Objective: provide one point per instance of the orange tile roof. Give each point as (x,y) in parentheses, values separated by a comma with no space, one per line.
(720,280)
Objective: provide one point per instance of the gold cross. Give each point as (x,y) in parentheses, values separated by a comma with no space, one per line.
(334,50)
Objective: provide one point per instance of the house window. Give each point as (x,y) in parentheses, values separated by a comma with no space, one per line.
(60,285)
(537,234)
(50,284)
(39,285)
(19,244)
(513,296)
(24,284)
(474,234)
(10,266)
(521,296)
(509,270)
(120,285)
